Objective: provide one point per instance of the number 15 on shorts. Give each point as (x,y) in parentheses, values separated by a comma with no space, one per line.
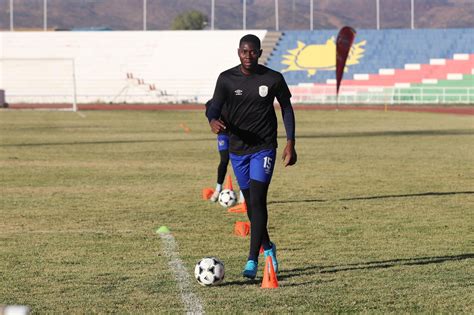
(267,164)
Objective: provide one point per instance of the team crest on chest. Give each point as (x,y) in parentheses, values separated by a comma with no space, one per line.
(263,90)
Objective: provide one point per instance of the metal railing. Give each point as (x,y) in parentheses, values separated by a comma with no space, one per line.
(386,95)
(356,95)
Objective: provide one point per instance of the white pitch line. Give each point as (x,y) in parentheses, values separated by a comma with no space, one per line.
(191,301)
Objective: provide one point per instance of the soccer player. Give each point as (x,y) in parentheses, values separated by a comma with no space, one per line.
(223,148)
(249,90)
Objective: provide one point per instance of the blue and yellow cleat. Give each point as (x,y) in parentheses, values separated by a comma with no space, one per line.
(250,270)
(272,252)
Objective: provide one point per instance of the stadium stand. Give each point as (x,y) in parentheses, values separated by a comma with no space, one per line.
(182,66)
(384,49)
(386,58)
(149,67)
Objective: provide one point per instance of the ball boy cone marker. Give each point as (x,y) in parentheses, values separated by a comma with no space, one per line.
(240,208)
(269,280)
(162,230)
(228,184)
(242,228)
(207,193)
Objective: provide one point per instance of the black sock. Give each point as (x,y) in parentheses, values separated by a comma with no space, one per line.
(222,168)
(246,193)
(257,203)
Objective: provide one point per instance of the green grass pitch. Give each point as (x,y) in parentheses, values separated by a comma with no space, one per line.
(377,215)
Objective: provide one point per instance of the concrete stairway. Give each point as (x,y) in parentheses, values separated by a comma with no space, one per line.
(270,41)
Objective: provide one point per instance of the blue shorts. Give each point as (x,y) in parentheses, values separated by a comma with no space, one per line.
(257,166)
(222,142)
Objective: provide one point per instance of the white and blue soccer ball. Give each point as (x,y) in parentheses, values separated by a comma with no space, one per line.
(227,198)
(209,271)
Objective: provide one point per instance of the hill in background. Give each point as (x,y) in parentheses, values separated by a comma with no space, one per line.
(293,14)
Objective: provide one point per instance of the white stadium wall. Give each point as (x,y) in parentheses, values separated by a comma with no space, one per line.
(131,67)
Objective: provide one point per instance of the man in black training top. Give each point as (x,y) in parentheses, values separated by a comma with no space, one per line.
(249,90)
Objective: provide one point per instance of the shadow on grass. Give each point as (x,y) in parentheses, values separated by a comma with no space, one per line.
(102,142)
(395,133)
(315,269)
(258,281)
(447,132)
(287,274)
(377,197)
(295,201)
(297,284)
(411,195)
(241,282)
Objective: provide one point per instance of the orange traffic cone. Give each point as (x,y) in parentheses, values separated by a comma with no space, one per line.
(269,280)
(207,193)
(185,127)
(242,228)
(240,208)
(228,183)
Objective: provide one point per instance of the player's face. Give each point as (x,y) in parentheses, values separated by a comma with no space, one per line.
(248,55)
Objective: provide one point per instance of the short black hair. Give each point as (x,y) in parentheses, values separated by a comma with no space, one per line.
(250,38)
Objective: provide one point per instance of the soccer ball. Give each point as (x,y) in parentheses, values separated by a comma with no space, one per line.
(227,198)
(209,271)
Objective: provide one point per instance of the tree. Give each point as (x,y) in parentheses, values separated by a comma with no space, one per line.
(191,20)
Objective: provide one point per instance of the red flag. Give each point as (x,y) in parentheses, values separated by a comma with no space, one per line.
(344,41)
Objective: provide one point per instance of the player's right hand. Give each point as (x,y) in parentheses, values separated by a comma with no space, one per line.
(217,125)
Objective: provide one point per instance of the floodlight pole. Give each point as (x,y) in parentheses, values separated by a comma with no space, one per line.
(213,4)
(311,5)
(276,16)
(412,14)
(144,14)
(244,15)
(377,9)
(11,15)
(45,15)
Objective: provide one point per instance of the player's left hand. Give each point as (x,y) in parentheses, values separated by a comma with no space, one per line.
(289,155)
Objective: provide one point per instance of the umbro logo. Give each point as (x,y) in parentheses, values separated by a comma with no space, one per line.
(238,92)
